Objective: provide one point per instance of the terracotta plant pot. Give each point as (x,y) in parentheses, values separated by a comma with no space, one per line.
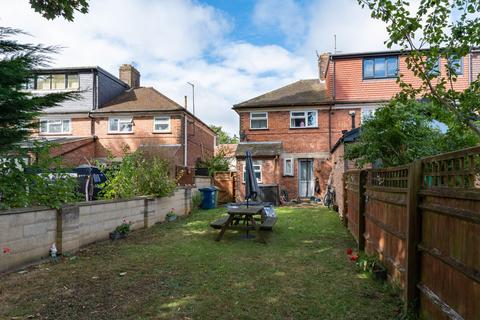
(117,235)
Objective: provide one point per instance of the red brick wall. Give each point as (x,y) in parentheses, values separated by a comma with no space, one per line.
(142,135)
(201,142)
(305,139)
(350,86)
(270,175)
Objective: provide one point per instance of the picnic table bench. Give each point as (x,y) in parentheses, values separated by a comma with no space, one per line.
(247,215)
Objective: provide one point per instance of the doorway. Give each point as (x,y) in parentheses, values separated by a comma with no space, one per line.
(306,183)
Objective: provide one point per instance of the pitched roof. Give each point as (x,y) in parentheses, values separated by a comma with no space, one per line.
(259,149)
(140,99)
(349,136)
(303,92)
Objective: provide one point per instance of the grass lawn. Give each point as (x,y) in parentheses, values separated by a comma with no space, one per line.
(177,271)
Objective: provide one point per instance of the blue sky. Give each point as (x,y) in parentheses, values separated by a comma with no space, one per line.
(233,50)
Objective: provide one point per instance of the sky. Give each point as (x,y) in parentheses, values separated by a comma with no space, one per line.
(232,50)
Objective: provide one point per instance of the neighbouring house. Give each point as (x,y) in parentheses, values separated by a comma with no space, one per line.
(293,129)
(117,113)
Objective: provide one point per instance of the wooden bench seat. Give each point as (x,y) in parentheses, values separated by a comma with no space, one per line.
(218,224)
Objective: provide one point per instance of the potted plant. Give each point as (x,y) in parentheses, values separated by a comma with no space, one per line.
(121,231)
(379,272)
(171,216)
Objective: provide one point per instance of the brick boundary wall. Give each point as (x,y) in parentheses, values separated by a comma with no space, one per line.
(29,232)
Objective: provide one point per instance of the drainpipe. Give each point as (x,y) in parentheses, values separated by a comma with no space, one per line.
(330,109)
(185,151)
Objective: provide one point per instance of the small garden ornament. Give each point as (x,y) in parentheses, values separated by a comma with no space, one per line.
(53,253)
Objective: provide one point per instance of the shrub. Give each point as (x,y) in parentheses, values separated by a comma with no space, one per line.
(217,163)
(137,175)
(124,228)
(196,201)
(43,183)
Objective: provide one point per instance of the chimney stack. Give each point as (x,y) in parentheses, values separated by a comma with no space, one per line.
(129,75)
(323,60)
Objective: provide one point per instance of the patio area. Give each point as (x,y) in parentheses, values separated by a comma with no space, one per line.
(177,271)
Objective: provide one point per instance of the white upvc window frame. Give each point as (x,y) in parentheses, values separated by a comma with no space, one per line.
(55,121)
(162,118)
(121,119)
(265,117)
(285,171)
(305,117)
(257,168)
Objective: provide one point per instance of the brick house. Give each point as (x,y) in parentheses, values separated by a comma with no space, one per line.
(112,113)
(294,128)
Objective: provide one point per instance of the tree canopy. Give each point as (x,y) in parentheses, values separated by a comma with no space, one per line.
(222,136)
(443,29)
(51,9)
(400,133)
(19,108)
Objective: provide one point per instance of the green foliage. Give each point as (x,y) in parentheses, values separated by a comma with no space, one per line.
(64,8)
(399,133)
(196,201)
(217,163)
(438,29)
(222,136)
(137,175)
(44,183)
(18,108)
(124,228)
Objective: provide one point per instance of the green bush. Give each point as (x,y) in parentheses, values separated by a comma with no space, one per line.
(137,175)
(43,183)
(196,201)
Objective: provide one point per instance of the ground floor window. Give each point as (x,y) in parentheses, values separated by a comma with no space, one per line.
(288,167)
(257,169)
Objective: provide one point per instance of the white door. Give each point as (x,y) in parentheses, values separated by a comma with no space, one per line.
(306,184)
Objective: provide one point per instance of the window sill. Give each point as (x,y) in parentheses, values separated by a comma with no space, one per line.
(295,128)
(162,132)
(119,133)
(382,78)
(259,129)
(56,134)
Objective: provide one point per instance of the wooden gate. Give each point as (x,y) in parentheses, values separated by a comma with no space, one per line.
(225,182)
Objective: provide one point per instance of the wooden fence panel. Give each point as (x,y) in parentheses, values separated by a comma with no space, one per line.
(450,238)
(225,182)
(185,175)
(352,179)
(386,217)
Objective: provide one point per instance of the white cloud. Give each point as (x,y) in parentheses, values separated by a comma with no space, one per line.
(173,42)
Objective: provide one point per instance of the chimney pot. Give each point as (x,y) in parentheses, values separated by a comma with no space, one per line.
(323,60)
(129,75)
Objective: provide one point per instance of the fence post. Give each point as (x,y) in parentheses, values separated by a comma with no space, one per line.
(361,208)
(413,234)
(345,201)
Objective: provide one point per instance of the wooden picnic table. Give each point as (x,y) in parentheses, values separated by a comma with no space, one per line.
(245,214)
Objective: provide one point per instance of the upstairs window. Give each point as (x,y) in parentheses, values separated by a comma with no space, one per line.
(161,124)
(258,120)
(120,125)
(456,64)
(288,167)
(435,70)
(303,119)
(55,126)
(53,82)
(380,67)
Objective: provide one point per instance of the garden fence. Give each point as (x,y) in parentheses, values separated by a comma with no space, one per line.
(423,222)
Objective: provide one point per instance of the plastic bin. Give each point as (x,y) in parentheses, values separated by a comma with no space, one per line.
(208,198)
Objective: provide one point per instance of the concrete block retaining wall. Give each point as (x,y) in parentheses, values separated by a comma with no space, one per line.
(29,232)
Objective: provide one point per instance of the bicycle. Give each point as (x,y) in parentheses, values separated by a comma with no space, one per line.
(329,198)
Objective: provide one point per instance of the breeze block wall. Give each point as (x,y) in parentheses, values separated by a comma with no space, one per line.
(27,234)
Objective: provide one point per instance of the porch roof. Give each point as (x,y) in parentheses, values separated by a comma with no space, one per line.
(259,149)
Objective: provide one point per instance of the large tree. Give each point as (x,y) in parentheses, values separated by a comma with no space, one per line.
(433,30)
(19,108)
